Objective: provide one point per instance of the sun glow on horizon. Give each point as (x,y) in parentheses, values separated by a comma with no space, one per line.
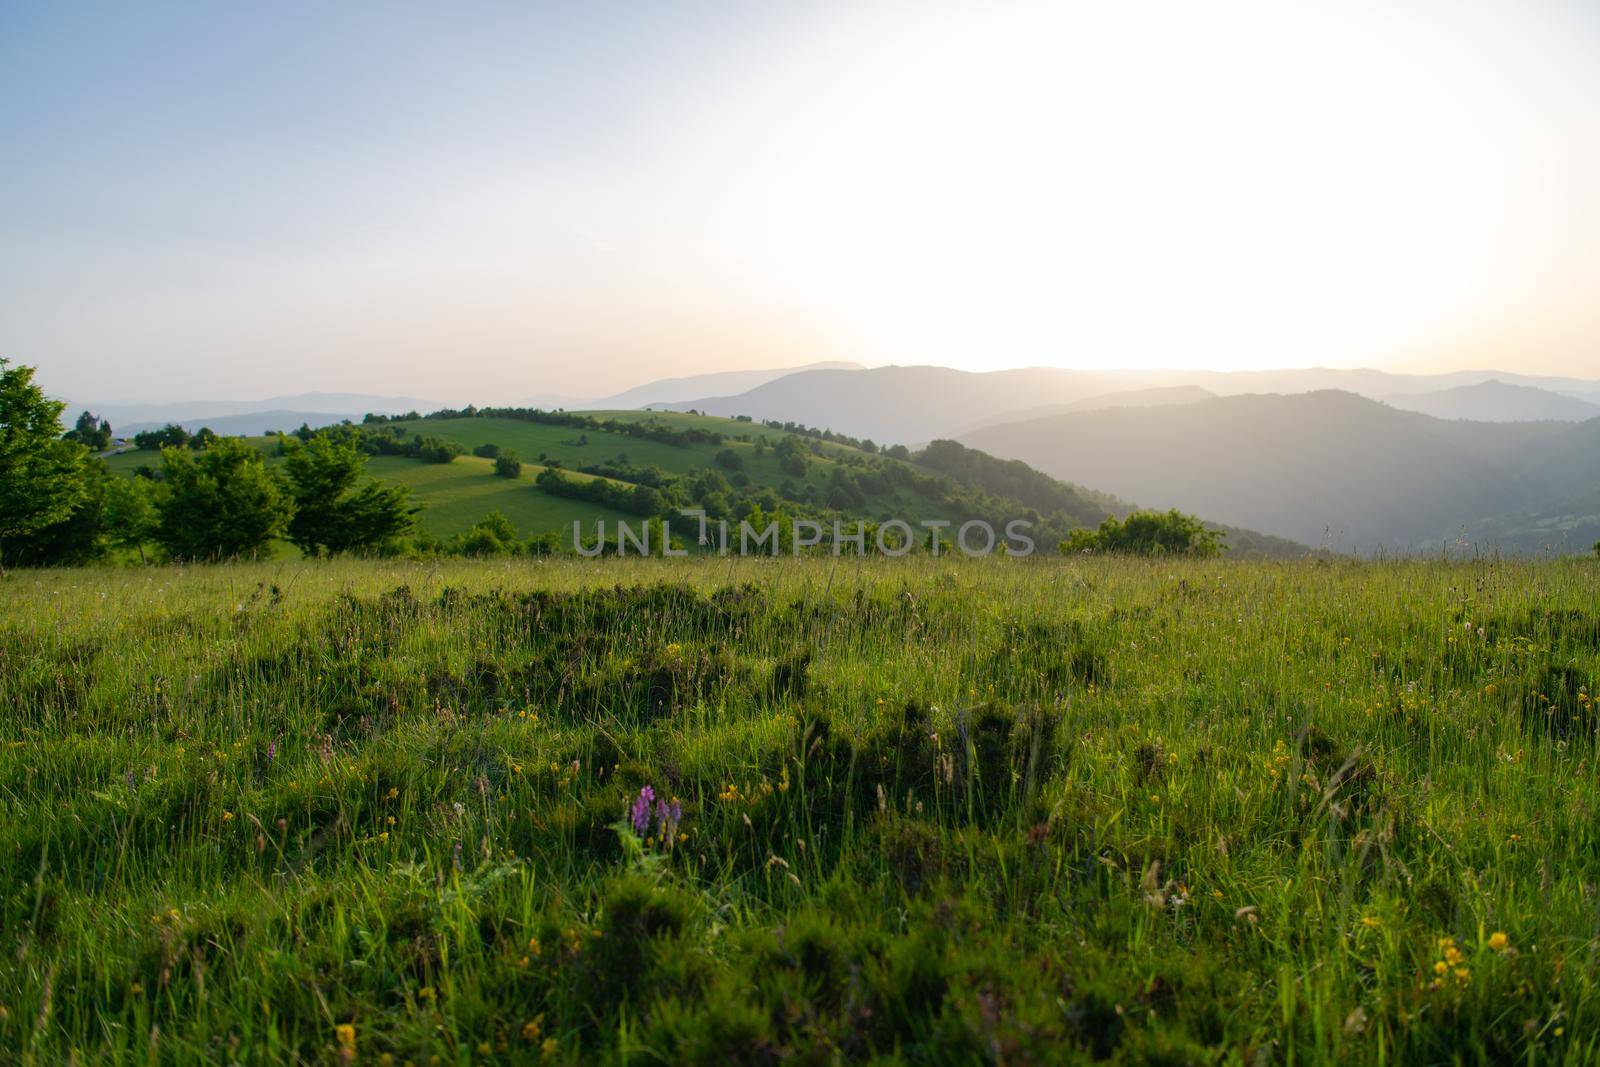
(1224,186)
(506,200)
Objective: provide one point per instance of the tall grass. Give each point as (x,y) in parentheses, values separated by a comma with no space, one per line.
(932,811)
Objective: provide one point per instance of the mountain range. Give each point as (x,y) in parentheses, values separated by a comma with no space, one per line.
(1497,401)
(1331,468)
(911,405)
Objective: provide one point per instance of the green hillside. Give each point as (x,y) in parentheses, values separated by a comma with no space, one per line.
(454,495)
(729,467)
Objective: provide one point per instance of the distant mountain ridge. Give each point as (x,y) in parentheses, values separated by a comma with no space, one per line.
(1497,401)
(1332,468)
(677,390)
(210,412)
(919,403)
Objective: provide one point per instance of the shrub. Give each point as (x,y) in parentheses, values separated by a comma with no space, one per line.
(1148,533)
(507,464)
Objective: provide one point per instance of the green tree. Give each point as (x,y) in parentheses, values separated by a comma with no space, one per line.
(492,535)
(169,436)
(130,514)
(92,432)
(331,515)
(204,437)
(41,476)
(1148,533)
(79,538)
(220,503)
(508,464)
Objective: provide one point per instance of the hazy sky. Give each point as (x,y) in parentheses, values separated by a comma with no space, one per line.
(492,201)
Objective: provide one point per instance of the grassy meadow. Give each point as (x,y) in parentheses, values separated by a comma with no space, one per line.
(913,811)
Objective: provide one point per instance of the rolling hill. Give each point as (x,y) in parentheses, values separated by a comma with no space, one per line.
(725,466)
(1331,468)
(723,383)
(1497,401)
(1154,397)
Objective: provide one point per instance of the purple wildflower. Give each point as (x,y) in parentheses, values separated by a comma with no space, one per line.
(640,813)
(667,818)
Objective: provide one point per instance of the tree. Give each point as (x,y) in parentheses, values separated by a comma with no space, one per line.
(92,432)
(130,514)
(728,459)
(487,450)
(507,464)
(79,538)
(331,515)
(791,457)
(1148,533)
(41,476)
(220,503)
(492,535)
(204,437)
(169,436)
(645,500)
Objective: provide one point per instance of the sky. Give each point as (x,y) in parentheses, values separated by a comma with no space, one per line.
(497,201)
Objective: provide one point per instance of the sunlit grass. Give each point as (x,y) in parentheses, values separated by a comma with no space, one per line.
(932,811)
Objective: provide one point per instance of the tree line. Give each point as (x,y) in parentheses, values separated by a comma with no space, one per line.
(60,505)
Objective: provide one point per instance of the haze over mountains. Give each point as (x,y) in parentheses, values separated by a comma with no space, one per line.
(249,416)
(1496,401)
(1322,456)
(724,383)
(1331,468)
(914,404)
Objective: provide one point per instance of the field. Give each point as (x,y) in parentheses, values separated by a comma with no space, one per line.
(453,495)
(923,811)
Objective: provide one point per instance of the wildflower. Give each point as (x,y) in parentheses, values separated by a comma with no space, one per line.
(667,817)
(640,813)
(345,1034)
(1499,941)
(533,1028)
(548,1050)
(227,816)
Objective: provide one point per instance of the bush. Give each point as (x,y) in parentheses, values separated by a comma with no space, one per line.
(221,503)
(488,450)
(1148,533)
(438,450)
(507,464)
